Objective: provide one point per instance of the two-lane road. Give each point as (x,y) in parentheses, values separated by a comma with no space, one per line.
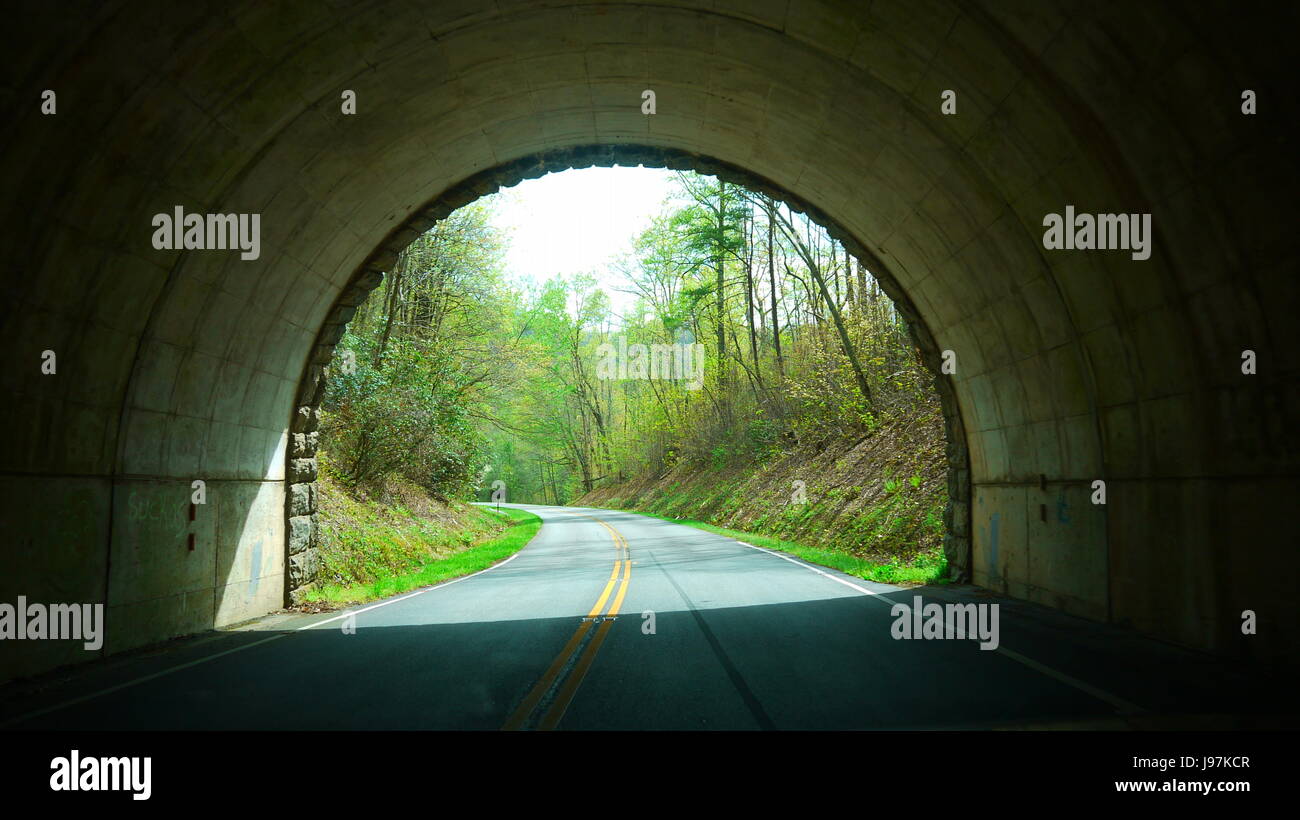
(612,620)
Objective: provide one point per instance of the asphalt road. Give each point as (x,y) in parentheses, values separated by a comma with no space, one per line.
(611,620)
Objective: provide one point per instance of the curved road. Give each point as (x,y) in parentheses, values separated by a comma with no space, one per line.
(612,620)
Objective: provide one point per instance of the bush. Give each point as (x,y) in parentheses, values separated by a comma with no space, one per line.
(403,417)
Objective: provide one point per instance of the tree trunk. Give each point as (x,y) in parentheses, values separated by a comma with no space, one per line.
(749,301)
(394,287)
(721,285)
(844,336)
(771,276)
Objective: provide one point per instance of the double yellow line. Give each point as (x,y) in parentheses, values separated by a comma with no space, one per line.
(553,714)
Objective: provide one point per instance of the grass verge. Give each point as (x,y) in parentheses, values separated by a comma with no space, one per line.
(523,527)
(925,569)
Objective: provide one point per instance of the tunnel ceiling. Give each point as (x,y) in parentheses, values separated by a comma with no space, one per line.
(1072,365)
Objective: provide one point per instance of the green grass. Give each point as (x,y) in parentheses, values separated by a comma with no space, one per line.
(925,569)
(524,526)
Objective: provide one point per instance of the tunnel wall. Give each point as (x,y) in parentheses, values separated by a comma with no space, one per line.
(1071,365)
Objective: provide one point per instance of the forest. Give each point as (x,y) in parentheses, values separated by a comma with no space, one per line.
(454,376)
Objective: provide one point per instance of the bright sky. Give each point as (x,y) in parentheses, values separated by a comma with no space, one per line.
(578,222)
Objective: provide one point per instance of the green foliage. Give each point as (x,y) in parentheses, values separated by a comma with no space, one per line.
(376,559)
(926,568)
(404,417)
(405,392)
(763,439)
(465,378)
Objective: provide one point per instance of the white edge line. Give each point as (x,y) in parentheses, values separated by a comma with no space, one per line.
(275,637)
(441,585)
(1123,706)
(796,562)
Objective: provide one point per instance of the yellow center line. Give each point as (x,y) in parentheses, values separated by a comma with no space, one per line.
(520,716)
(620,543)
(529,703)
(553,715)
(622,590)
(604,596)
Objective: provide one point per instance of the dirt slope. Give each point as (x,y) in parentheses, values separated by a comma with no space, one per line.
(879,496)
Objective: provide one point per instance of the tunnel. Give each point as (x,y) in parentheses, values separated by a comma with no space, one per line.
(932,137)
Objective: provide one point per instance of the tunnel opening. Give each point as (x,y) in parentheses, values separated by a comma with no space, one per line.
(825,310)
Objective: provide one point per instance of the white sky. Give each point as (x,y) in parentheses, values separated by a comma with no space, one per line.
(578,221)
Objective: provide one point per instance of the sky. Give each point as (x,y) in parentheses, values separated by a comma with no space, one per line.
(578,221)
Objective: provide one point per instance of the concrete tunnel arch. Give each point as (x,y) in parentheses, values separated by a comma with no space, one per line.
(1072,366)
